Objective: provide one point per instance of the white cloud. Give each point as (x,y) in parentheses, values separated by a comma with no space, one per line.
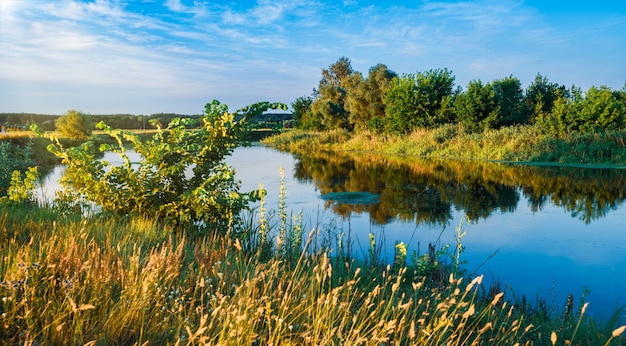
(235,50)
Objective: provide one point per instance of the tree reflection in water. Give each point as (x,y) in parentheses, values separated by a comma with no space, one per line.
(428,190)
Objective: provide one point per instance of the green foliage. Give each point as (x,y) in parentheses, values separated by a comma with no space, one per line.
(301,107)
(329,109)
(509,97)
(477,107)
(181,177)
(422,100)
(602,109)
(75,125)
(555,123)
(385,103)
(366,97)
(540,97)
(21,191)
(599,110)
(13,157)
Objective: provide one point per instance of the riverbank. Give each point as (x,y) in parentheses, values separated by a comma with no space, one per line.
(520,144)
(72,278)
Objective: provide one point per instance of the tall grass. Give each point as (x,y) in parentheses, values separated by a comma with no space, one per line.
(514,143)
(304,141)
(134,281)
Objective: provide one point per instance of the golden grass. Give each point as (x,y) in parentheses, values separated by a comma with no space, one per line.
(515,143)
(104,282)
(12,134)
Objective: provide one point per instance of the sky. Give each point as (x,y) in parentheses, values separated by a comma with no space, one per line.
(174,56)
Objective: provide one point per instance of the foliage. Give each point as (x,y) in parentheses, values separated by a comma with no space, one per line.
(541,96)
(329,109)
(421,100)
(599,110)
(477,107)
(23,120)
(307,141)
(509,97)
(366,97)
(13,157)
(301,107)
(75,125)
(602,109)
(385,103)
(522,143)
(181,177)
(21,191)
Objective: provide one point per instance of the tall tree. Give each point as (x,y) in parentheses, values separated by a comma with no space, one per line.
(540,97)
(477,108)
(365,98)
(329,106)
(509,97)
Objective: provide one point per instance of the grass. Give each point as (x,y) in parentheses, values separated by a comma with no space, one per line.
(511,144)
(99,280)
(133,281)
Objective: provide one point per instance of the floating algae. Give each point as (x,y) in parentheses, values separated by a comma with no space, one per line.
(357,197)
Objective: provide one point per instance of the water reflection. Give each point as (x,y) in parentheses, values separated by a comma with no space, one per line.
(429,190)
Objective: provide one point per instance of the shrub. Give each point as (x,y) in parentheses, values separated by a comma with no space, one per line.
(181,178)
(13,157)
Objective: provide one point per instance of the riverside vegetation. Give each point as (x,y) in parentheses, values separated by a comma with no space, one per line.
(128,255)
(425,114)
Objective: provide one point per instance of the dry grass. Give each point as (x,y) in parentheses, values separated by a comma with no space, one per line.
(514,143)
(134,282)
(12,134)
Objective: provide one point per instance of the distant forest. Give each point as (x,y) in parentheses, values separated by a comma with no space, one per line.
(121,121)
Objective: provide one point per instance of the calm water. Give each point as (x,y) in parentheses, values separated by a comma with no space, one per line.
(543,232)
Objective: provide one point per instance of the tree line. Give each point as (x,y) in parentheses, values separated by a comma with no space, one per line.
(385,102)
(121,121)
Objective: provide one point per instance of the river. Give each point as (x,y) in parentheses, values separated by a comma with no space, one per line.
(542,232)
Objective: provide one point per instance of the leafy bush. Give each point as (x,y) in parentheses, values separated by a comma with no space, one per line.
(13,157)
(21,190)
(181,177)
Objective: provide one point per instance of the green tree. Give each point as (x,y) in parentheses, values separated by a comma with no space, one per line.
(477,108)
(420,100)
(365,98)
(301,108)
(557,122)
(75,125)
(509,97)
(540,96)
(329,106)
(602,109)
(181,177)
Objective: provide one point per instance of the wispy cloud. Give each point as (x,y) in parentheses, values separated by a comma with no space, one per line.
(185,52)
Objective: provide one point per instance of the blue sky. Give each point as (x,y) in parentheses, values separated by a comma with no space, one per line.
(149,56)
